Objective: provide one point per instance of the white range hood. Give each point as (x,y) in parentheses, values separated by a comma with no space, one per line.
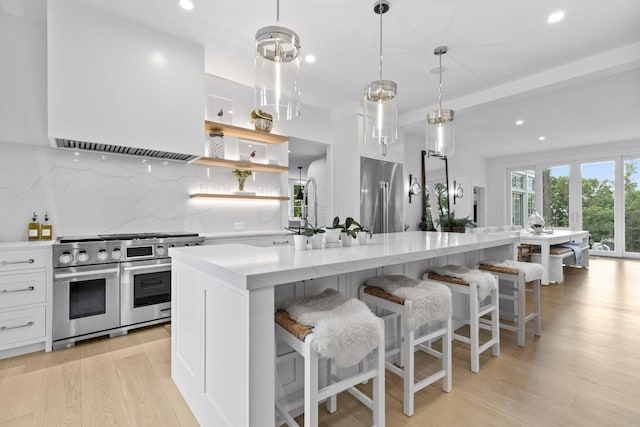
(117,87)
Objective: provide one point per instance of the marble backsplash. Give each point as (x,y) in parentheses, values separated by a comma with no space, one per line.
(90,193)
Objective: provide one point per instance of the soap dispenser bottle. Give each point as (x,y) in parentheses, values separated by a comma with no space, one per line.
(34,228)
(46,231)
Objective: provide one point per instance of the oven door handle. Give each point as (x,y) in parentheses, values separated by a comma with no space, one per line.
(146,267)
(85,273)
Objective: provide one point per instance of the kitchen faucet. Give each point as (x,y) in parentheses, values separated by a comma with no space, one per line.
(305,207)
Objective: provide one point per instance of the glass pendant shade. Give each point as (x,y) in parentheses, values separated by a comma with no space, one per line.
(381,112)
(440,133)
(277,72)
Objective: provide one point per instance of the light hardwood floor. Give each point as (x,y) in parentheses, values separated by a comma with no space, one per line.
(583,371)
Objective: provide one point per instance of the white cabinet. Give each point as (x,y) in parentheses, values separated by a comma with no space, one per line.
(25,289)
(111,81)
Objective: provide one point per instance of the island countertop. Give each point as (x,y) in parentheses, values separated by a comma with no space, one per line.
(249,267)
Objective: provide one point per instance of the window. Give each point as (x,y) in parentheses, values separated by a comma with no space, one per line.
(522,195)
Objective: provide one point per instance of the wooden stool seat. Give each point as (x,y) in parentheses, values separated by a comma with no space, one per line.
(460,288)
(517,293)
(408,340)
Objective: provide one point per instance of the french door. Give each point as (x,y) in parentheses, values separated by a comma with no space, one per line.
(601,196)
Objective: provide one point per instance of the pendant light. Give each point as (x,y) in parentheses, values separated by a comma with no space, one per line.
(440,135)
(277,66)
(380,102)
(300,194)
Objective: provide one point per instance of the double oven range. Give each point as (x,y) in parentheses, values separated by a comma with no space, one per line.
(109,284)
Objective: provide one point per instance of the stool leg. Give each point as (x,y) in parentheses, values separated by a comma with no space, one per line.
(332,404)
(398,340)
(474,328)
(408,373)
(536,307)
(495,323)
(310,386)
(378,385)
(446,358)
(521,297)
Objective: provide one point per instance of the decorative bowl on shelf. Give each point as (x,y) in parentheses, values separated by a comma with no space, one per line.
(262,124)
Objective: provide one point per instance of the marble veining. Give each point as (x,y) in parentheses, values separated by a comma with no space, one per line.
(90,193)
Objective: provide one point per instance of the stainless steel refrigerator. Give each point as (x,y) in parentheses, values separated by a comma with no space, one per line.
(381,193)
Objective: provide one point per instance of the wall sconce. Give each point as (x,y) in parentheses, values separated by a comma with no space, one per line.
(414,187)
(457,191)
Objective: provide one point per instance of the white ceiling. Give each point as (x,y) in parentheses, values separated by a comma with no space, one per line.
(499,51)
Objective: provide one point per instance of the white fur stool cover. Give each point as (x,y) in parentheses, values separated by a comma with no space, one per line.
(431,301)
(344,329)
(486,282)
(532,271)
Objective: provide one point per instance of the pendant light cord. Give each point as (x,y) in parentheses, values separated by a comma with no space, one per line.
(440,89)
(381,13)
(278,13)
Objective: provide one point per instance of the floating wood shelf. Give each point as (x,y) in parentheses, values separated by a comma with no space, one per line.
(234,196)
(244,133)
(239,164)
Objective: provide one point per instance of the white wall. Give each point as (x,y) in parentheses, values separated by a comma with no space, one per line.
(23,73)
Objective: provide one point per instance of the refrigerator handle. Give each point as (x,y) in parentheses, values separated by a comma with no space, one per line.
(383,188)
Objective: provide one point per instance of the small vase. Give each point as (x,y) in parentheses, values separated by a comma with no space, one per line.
(316,241)
(332,235)
(363,237)
(241,183)
(348,240)
(300,242)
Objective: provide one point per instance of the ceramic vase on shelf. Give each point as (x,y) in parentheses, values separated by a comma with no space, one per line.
(241,181)
(214,146)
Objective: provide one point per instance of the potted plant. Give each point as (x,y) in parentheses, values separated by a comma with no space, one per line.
(242,176)
(332,235)
(456,225)
(315,236)
(350,232)
(300,238)
(262,120)
(363,232)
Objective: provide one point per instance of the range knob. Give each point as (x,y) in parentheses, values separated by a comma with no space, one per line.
(82,256)
(116,254)
(161,251)
(102,255)
(65,258)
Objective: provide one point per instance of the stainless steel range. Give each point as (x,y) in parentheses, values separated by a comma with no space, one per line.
(108,284)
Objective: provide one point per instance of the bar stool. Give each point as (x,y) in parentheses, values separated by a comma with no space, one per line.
(423,318)
(337,316)
(481,288)
(519,274)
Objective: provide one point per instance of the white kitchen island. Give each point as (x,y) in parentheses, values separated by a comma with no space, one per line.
(224,298)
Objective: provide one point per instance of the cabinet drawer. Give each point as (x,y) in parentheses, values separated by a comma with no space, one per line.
(22,325)
(22,288)
(24,260)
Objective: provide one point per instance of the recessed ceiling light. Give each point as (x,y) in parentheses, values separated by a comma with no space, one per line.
(542,138)
(555,17)
(186,4)
(310,59)
(519,122)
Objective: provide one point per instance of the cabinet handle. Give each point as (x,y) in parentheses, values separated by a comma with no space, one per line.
(26,325)
(284,242)
(29,289)
(28,261)
(165,309)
